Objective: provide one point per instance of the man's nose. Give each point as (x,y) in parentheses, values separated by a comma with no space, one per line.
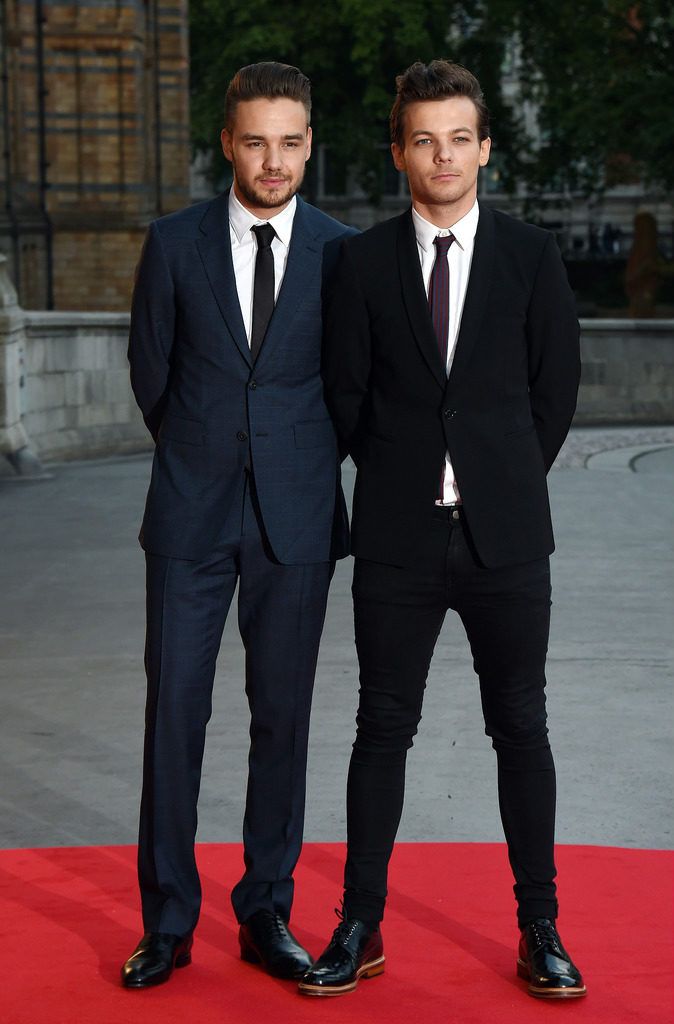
(272,157)
(444,152)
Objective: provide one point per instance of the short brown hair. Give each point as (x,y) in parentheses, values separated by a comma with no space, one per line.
(434,81)
(267,80)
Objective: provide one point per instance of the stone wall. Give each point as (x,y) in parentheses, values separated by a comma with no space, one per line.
(76,394)
(72,382)
(94,126)
(628,372)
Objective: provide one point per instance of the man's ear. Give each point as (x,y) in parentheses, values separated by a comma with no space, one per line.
(226,143)
(398,155)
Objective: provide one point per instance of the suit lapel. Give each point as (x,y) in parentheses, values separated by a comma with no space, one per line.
(415,299)
(215,249)
(302,266)
(479,283)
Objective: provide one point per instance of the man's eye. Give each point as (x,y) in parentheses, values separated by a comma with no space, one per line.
(461,138)
(422,142)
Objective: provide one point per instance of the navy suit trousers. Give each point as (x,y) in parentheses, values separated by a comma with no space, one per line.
(281,610)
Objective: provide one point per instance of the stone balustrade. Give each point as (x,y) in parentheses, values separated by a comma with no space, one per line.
(628,372)
(78,399)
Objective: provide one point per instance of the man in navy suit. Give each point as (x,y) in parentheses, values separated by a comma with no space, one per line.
(225,365)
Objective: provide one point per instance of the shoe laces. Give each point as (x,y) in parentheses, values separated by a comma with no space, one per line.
(274,924)
(345,928)
(545,934)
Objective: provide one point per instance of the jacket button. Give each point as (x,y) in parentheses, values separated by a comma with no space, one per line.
(242,436)
(449,413)
(253,385)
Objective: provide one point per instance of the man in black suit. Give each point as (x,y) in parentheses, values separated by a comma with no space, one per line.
(225,365)
(451,367)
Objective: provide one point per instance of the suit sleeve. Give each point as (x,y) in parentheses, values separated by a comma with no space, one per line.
(346,354)
(554,352)
(151,334)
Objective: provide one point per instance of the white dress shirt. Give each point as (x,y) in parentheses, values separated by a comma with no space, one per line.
(244,251)
(459,256)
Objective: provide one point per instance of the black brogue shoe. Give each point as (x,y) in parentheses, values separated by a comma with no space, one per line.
(356,951)
(154,958)
(545,964)
(266,939)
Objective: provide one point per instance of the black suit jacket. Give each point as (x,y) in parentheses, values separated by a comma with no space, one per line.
(213,412)
(502,414)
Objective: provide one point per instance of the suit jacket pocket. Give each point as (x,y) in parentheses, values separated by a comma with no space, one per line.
(314,433)
(175,428)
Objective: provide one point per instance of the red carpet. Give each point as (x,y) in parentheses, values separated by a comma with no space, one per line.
(69,917)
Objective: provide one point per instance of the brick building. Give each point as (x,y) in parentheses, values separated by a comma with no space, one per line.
(94,135)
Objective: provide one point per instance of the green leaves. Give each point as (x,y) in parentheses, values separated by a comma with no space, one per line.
(601,75)
(597,75)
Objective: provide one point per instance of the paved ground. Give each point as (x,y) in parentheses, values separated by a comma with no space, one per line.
(71,683)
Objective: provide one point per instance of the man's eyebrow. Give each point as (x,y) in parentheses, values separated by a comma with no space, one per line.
(251,136)
(453,131)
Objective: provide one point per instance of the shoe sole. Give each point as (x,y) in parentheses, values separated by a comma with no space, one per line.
(369,970)
(540,992)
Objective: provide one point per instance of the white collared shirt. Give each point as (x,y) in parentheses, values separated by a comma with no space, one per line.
(244,250)
(460,256)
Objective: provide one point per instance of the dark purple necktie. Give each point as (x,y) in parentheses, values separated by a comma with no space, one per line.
(438,293)
(263,286)
(438,301)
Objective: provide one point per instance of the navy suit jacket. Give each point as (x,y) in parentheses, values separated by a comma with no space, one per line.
(212,412)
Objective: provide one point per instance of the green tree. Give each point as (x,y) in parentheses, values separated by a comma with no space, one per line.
(597,73)
(600,76)
(351,50)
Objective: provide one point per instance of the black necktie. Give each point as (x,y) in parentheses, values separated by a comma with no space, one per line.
(263,286)
(438,293)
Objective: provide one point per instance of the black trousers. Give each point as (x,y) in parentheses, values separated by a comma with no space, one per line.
(398,616)
(281,610)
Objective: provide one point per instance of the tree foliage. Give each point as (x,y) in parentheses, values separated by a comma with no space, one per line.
(601,75)
(350,49)
(597,73)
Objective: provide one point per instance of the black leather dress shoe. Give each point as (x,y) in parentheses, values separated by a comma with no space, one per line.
(356,951)
(545,964)
(266,939)
(154,958)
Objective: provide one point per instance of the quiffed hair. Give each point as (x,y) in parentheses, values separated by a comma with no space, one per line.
(267,80)
(435,81)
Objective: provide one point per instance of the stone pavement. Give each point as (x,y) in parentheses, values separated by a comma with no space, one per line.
(72,688)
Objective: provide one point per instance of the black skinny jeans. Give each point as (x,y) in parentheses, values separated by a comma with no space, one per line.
(398,616)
